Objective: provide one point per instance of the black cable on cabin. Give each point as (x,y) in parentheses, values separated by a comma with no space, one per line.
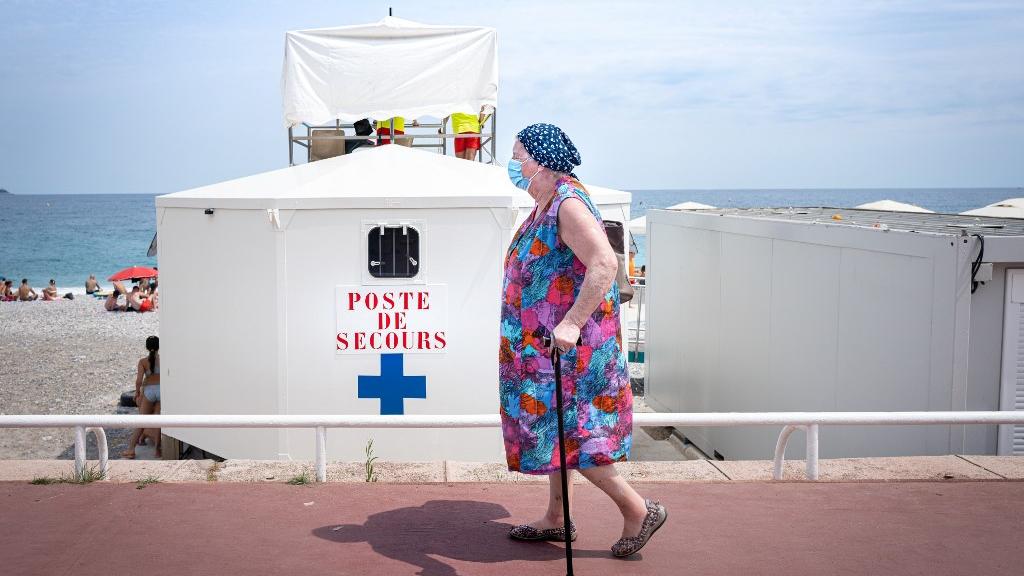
(976,265)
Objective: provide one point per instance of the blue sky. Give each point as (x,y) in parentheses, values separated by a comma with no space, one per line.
(155,97)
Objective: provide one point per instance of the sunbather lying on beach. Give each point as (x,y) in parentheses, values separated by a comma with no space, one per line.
(111,303)
(136,300)
(147,396)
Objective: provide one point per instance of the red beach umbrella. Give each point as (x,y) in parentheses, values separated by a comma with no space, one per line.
(134,272)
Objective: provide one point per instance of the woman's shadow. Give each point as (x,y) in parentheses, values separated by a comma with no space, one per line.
(457,529)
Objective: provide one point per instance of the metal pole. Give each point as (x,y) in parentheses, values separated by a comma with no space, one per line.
(321,454)
(79,452)
(101,445)
(556,359)
(780,450)
(639,308)
(291,148)
(494,134)
(812,451)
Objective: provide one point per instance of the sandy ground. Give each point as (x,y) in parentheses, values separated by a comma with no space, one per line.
(66,357)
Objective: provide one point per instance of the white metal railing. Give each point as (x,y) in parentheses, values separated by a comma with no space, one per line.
(634,332)
(791,421)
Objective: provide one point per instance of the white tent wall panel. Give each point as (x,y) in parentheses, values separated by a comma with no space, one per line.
(683,331)
(759,315)
(461,248)
(986,348)
(885,350)
(1011,439)
(216,303)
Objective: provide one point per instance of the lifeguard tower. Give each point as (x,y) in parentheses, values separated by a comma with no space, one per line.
(335,77)
(363,283)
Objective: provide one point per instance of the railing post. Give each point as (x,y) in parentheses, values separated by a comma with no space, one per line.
(101,445)
(780,450)
(321,454)
(79,452)
(812,451)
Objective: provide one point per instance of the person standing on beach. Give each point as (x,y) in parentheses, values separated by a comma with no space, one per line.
(559,282)
(147,395)
(25,292)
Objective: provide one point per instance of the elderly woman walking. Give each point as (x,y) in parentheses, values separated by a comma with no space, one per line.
(560,283)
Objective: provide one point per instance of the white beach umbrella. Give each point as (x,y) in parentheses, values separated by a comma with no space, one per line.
(1009,208)
(638,226)
(691,206)
(893,206)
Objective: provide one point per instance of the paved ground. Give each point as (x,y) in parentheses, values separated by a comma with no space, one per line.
(784,528)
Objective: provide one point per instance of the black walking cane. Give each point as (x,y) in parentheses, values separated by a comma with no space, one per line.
(556,360)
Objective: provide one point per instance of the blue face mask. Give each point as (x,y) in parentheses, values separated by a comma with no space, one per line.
(515,174)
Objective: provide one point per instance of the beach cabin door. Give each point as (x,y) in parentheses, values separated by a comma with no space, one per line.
(1011,437)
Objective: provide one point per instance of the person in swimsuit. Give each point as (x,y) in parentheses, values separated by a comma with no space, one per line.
(50,292)
(91,285)
(9,295)
(135,300)
(147,396)
(25,292)
(111,303)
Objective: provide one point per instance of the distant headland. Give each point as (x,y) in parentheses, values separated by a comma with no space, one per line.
(2,191)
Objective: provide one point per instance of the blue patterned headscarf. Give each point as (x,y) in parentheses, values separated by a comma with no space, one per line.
(549,146)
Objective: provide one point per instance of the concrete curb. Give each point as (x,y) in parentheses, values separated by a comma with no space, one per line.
(447,471)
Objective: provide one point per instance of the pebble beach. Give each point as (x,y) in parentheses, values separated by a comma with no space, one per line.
(66,357)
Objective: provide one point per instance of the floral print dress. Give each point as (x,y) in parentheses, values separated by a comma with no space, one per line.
(542,279)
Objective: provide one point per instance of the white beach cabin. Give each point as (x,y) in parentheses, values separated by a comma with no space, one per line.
(833,309)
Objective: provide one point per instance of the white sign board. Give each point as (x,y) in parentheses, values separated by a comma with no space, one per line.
(406,318)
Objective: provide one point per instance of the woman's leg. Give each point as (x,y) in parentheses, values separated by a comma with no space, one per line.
(553,517)
(145,407)
(631,504)
(156,431)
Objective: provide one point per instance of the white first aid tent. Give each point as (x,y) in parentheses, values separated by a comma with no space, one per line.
(256,275)
(392,68)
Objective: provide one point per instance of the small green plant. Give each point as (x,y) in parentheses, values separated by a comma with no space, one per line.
(371,476)
(146,482)
(211,472)
(301,479)
(89,474)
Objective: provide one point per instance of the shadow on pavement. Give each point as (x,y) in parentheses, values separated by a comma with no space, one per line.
(458,529)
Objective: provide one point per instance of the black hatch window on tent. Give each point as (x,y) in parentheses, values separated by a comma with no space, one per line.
(393,251)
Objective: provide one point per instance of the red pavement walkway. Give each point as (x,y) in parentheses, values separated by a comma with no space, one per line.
(717,529)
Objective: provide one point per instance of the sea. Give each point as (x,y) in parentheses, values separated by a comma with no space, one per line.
(68,237)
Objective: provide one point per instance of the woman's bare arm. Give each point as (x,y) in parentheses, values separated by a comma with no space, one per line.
(139,376)
(583,234)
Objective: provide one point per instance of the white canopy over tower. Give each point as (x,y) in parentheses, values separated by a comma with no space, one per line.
(393,68)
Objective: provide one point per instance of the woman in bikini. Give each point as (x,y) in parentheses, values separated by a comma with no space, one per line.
(147,396)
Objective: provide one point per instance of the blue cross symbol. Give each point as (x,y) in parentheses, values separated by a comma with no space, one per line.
(392,386)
